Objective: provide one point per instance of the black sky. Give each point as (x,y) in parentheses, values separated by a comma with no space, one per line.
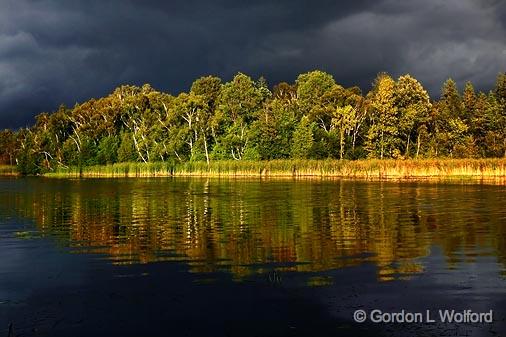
(54,51)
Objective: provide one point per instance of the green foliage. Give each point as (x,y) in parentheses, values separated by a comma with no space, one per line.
(219,152)
(312,87)
(316,94)
(271,134)
(469,100)
(451,104)
(108,150)
(495,130)
(414,106)
(500,88)
(8,146)
(344,120)
(70,152)
(313,118)
(239,104)
(88,154)
(27,163)
(302,141)
(126,149)
(251,153)
(383,137)
(240,99)
(209,87)
(29,159)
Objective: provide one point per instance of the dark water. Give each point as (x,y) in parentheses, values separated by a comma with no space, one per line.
(191,257)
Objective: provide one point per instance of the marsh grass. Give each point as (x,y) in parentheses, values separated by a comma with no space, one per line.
(371,169)
(7,170)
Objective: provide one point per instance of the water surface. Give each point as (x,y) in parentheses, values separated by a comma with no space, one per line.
(246,256)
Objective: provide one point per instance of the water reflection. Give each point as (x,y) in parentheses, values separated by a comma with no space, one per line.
(255,226)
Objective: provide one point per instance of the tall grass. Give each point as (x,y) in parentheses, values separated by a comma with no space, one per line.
(7,170)
(373,169)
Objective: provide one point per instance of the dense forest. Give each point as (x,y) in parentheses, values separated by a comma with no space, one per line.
(313,118)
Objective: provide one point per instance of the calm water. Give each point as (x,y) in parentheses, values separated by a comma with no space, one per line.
(247,257)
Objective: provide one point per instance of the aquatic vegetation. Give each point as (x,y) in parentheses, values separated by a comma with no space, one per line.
(7,170)
(372,169)
(27,235)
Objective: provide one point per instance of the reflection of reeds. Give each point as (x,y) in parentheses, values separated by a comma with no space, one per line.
(371,169)
(6,170)
(245,226)
(275,277)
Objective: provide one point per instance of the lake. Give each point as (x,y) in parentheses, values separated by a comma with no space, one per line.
(248,257)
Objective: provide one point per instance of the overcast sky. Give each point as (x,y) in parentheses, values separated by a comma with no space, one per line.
(54,51)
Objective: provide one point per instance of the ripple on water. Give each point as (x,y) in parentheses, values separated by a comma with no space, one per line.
(236,225)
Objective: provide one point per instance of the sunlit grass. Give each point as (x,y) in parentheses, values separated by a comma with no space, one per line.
(7,170)
(374,169)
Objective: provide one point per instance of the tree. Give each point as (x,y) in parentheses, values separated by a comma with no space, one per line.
(383,135)
(495,138)
(285,91)
(240,101)
(500,88)
(469,101)
(107,152)
(500,96)
(413,104)
(210,88)
(344,121)
(126,149)
(193,113)
(8,146)
(478,123)
(451,131)
(302,141)
(313,90)
(28,157)
(271,134)
(451,103)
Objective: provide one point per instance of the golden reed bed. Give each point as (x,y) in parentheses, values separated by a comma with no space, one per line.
(369,169)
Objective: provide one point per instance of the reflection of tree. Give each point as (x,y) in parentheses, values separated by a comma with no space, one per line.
(239,225)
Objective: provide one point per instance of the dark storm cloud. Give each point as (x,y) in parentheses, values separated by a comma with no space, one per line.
(54,52)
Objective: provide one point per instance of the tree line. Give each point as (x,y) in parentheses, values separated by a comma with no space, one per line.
(313,118)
